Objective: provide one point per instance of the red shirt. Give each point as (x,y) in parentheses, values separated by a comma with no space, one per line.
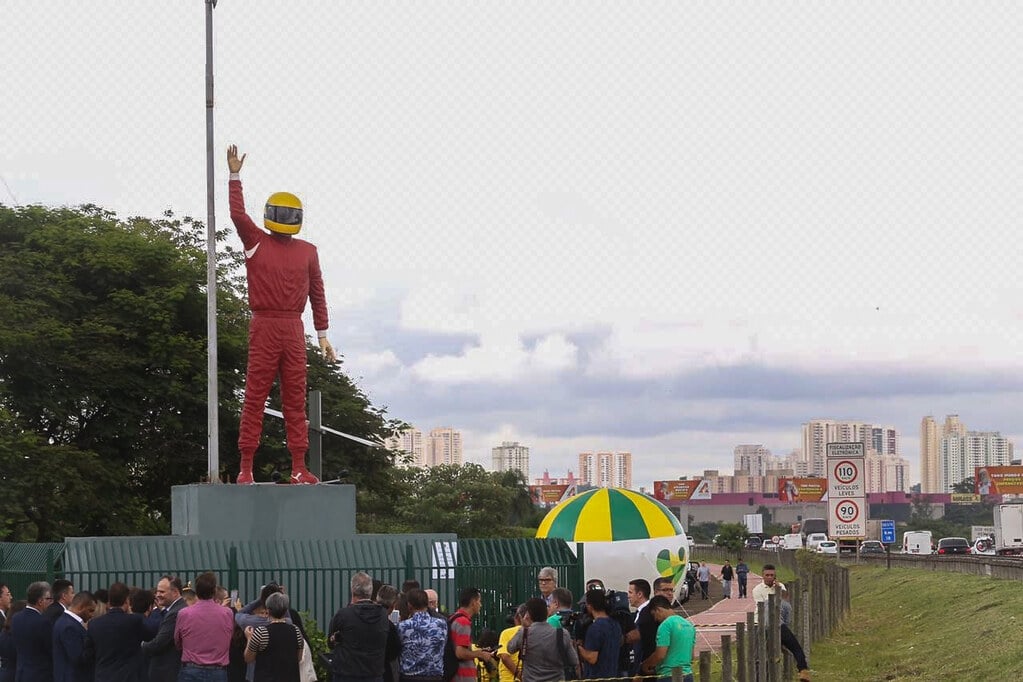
(283,271)
(203,633)
(461,635)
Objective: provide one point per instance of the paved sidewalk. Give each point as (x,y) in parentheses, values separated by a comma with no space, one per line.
(720,619)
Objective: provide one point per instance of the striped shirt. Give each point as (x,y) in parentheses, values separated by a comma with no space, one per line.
(461,635)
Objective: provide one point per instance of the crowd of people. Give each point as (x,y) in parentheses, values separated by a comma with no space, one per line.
(198,633)
(191,633)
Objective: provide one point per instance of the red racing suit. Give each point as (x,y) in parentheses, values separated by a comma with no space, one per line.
(282,273)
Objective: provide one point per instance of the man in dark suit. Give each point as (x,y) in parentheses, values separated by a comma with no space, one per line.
(643,639)
(33,636)
(115,638)
(72,655)
(5,603)
(63,593)
(164,657)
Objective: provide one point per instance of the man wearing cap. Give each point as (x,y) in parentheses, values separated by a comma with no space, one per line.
(282,273)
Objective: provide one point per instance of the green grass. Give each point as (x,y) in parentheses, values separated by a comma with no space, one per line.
(917,625)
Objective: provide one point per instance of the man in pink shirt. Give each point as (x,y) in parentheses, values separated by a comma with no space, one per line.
(203,634)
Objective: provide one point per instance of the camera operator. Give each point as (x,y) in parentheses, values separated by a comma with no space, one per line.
(583,619)
(600,650)
(560,610)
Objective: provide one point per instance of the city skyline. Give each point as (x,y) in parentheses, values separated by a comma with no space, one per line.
(696,244)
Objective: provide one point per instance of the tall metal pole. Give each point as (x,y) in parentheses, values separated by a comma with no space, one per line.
(213,422)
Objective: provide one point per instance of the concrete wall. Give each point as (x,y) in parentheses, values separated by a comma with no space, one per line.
(263,512)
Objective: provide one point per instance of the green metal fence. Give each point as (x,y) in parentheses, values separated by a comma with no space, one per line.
(22,564)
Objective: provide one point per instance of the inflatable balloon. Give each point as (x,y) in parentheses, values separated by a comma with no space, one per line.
(624,534)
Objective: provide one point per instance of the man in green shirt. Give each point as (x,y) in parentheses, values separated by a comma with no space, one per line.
(676,638)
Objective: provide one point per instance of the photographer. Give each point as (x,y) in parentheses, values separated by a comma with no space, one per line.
(548,653)
(602,646)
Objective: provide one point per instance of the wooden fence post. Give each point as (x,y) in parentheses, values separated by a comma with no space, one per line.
(705,666)
(740,651)
(761,675)
(726,658)
(751,649)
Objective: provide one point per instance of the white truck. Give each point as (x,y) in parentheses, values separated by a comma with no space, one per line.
(792,541)
(917,542)
(1008,529)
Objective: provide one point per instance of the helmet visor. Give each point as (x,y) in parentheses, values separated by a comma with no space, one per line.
(283,215)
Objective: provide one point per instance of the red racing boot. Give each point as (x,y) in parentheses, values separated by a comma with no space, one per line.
(302,476)
(245,475)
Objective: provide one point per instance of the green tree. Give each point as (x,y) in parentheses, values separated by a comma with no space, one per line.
(466,500)
(964,486)
(732,536)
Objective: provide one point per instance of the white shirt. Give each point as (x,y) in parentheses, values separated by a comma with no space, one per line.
(640,608)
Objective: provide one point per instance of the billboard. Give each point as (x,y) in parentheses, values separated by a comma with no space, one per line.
(998,480)
(802,489)
(551,494)
(681,491)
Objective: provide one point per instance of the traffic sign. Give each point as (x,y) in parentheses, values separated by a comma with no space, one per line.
(846,518)
(888,532)
(845,478)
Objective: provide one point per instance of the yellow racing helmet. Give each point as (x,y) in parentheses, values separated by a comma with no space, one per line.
(283,213)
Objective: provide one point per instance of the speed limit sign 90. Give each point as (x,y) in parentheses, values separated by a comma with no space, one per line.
(847,511)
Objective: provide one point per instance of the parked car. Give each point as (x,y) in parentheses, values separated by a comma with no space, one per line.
(769,546)
(871,547)
(953,546)
(689,539)
(827,547)
(754,542)
(813,539)
(984,546)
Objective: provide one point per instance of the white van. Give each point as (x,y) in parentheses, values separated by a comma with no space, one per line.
(916,542)
(814,539)
(792,541)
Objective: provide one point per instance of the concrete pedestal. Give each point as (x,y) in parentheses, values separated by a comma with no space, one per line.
(263,512)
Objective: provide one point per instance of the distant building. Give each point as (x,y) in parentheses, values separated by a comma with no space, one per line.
(409,441)
(547,479)
(960,454)
(885,473)
(509,456)
(606,469)
(755,460)
(817,433)
(930,439)
(444,447)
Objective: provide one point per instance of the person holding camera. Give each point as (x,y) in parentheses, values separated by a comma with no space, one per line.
(602,646)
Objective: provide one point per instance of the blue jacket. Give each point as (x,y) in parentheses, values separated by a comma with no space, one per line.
(117,638)
(33,640)
(72,655)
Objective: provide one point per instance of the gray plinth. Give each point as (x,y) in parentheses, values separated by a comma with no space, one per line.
(263,512)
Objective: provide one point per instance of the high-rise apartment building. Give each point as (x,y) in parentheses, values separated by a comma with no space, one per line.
(606,469)
(409,441)
(953,427)
(510,456)
(444,447)
(959,455)
(819,432)
(929,460)
(755,460)
(884,440)
(885,473)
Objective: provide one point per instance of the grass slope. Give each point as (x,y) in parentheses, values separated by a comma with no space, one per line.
(916,625)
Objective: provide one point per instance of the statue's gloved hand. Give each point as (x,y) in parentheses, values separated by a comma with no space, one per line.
(328,350)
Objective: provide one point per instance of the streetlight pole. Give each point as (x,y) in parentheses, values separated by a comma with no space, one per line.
(212,401)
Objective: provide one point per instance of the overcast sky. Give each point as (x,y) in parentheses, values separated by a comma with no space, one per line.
(666,227)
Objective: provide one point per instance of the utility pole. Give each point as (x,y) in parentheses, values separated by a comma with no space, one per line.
(213,403)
